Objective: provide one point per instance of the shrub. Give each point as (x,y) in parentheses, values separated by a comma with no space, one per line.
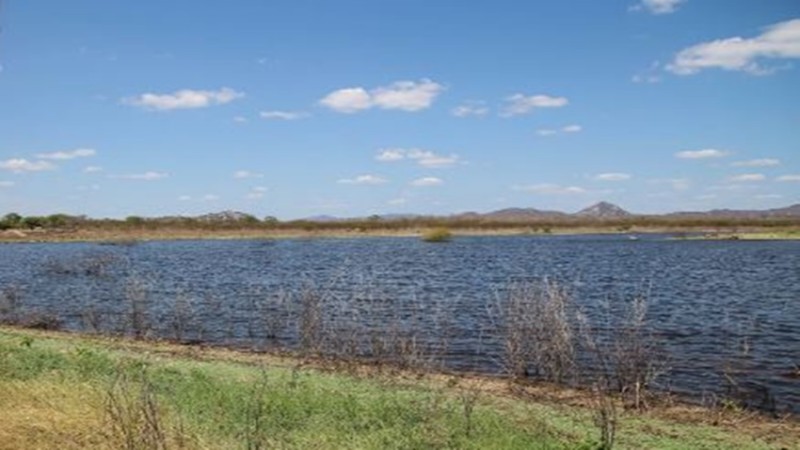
(440,234)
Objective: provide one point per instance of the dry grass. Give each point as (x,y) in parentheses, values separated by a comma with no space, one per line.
(47,414)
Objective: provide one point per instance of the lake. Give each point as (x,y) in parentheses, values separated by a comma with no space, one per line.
(724,315)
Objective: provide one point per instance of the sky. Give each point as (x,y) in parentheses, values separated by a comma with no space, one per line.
(299,108)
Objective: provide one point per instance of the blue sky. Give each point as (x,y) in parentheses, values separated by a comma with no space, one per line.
(298,108)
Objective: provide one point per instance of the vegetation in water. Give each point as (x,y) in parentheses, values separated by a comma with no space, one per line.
(440,234)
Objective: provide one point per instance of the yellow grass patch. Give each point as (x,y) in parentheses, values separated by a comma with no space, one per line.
(44,414)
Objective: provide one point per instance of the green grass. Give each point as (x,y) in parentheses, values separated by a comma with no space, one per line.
(56,392)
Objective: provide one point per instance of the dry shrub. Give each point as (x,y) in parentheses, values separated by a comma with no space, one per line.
(627,357)
(538,333)
(310,323)
(135,418)
(10,303)
(137,295)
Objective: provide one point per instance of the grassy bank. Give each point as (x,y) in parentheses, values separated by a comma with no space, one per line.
(130,235)
(67,391)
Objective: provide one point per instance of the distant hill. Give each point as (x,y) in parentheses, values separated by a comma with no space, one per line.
(788,211)
(603,210)
(600,210)
(512,214)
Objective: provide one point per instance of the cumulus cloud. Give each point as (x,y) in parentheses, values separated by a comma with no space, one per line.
(572,128)
(747,177)
(470,109)
(546,132)
(70,154)
(778,41)
(763,162)
(657,6)
(240,119)
(612,176)
(789,178)
(427,182)
(401,95)
(145,176)
(363,179)
(518,104)
(551,189)
(283,115)
(21,165)
(707,153)
(243,174)
(183,99)
(423,158)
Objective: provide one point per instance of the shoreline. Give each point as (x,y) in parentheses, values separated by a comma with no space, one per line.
(662,418)
(122,237)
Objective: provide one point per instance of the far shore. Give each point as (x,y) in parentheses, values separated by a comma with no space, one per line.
(123,236)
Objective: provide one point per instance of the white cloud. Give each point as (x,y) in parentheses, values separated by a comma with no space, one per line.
(185,198)
(427,182)
(243,174)
(574,128)
(363,179)
(521,104)
(92,169)
(210,198)
(240,119)
(789,178)
(348,100)
(184,99)
(612,176)
(470,109)
(145,176)
(6,184)
(402,95)
(432,160)
(72,154)
(748,177)
(551,189)
(779,41)
(391,154)
(657,6)
(407,95)
(424,158)
(283,115)
(707,153)
(20,165)
(764,162)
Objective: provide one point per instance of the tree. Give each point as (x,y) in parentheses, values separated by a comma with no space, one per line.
(11,220)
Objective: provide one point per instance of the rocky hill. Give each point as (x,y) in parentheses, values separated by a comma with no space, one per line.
(603,210)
